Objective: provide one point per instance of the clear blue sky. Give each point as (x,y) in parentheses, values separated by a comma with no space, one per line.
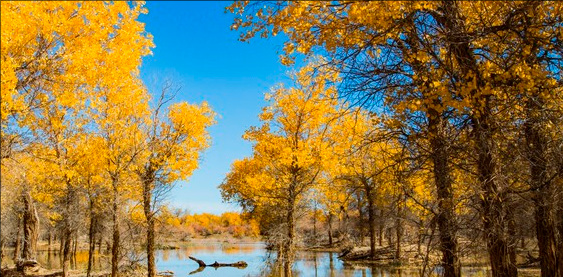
(196,49)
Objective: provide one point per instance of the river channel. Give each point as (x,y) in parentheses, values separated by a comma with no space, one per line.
(260,262)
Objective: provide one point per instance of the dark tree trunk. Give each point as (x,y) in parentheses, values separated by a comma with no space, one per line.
(371,218)
(315,223)
(67,229)
(100,241)
(147,207)
(91,241)
(17,250)
(560,243)
(361,218)
(30,227)
(116,238)
(492,203)
(440,157)
(447,224)
(512,239)
(74,248)
(61,246)
(66,252)
(381,226)
(399,226)
(542,188)
(330,228)
(1,250)
(289,245)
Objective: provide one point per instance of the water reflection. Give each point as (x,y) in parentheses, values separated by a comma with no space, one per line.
(52,259)
(260,263)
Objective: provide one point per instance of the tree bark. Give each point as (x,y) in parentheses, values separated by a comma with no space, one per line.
(399,227)
(147,207)
(492,198)
(440,157)
(100,240)
(447,224)
(116,238)
(289,247)
(61,246)
(560,243)
(361,218)
(542,188)
(458,43)
(1,250)
(91,238)
(381,226)
(66,252)
(512,239)
(67,231)
(17,250)
(30,227)
(371,218)
(330,228)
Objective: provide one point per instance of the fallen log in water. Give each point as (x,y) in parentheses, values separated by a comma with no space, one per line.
(363,254)
(202,264)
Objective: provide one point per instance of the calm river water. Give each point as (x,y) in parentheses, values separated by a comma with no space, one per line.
(260,262)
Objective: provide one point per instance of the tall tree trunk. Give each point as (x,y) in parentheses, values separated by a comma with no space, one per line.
(147,199)
(381,226)
(30,227)
(61,246)
(440,157)
(67,229)
(399,227)
(289,247)
(1,250)
(17,250)
(560,227)
(66,252)
(74,247)
(371,218)
(330,228)
(361,218)
(542,188)
(91,240)
(481,119)
(116,238)
(100,241)
(492,198)
(315,223)
(442,178)
(512,239)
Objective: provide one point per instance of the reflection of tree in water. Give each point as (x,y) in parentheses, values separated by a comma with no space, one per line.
(165,255)
(180,255)
(303,264)
(272,266)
